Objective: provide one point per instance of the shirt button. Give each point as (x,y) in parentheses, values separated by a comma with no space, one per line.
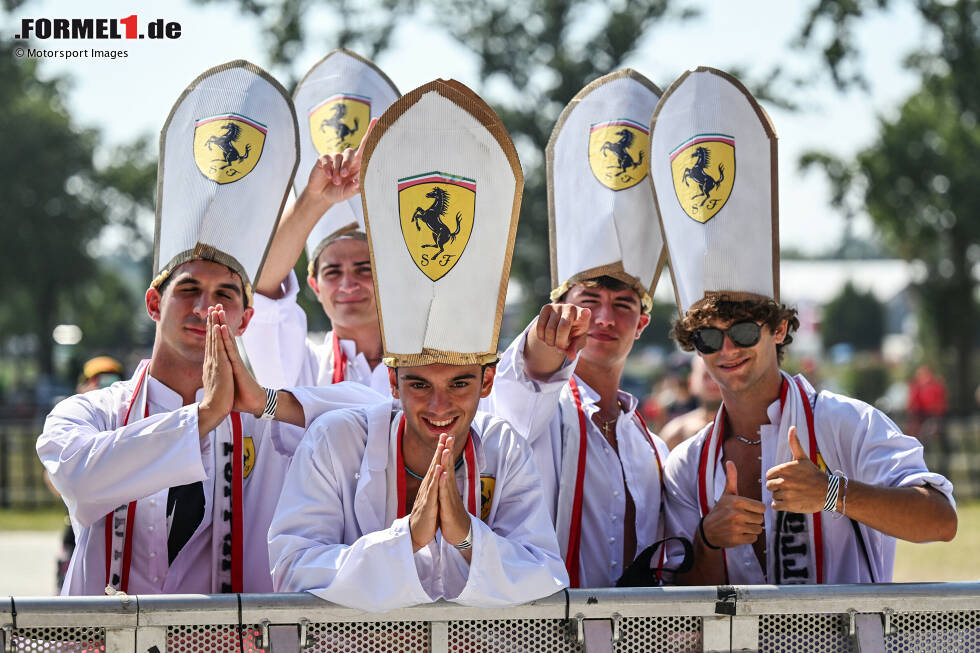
(153,502)
(156,578)
(615,493)
(612,539)
(605,450)
(153,554)
(613,517)
(150,528)
(612,563)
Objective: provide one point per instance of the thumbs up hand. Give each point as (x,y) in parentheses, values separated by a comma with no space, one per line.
(799,485)
(735,519)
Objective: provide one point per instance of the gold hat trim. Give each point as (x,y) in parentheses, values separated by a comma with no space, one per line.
(432,356)
(614,270)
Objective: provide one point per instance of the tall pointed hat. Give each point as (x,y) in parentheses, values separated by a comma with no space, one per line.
(336,101)
(713,170)
(228,153)
(441,185)
(602,218)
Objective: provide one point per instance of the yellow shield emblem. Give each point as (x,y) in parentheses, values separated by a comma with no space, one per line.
(487,485)
(618,153)
(703,169)
(227,147)
(437,211)
(339,122)
(248,456)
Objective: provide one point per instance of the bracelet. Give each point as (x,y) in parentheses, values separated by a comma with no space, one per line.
(467,542)
(705,539)
(271,403)
(833,490)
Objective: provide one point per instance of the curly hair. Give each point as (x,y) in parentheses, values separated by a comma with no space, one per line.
(729,309)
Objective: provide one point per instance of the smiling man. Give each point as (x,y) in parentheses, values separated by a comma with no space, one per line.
(327,216)
(600,467)
(386,508)
(170,477)
(787,485)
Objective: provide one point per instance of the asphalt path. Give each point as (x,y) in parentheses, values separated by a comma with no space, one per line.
(27,562)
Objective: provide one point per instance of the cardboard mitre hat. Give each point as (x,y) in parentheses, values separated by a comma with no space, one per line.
(228,153)
(338,97)
(713,170)
(441,185)
(602,218)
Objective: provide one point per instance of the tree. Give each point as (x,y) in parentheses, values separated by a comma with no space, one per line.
(855,318)
(918,181)
(56,204)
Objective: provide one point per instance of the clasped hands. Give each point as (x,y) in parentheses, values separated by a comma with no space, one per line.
(438,503)
(228,385)
(797,486)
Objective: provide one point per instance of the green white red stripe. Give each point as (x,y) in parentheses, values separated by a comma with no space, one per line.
(436,178)
(341,96)
(622,122)
(233,116)
(702,138)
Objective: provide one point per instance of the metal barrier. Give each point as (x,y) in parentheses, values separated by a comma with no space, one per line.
(884,618)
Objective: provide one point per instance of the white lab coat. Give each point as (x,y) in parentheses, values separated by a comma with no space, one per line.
(335,531)
(852,437)
(283,357)
(544,412)
(98,465)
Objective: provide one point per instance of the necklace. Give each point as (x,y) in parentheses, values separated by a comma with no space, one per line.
(459,463)
(746,440)
(604,427)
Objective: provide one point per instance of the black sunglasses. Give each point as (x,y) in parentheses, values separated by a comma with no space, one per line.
(708,340)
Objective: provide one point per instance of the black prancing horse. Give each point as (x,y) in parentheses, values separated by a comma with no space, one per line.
(432,217)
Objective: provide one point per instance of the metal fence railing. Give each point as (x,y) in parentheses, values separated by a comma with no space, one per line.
(928,617)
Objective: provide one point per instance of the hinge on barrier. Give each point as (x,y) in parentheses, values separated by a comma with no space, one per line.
(615,630)
(726,600)
(263,641)
(304,634)
(8,639)
(886,618)
(851,619)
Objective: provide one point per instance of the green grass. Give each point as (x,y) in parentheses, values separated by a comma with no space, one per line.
(937,561)
(40,519)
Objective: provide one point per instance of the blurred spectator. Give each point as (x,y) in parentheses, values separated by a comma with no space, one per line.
(927,399)
(98,372)
(927,412)
(708,396)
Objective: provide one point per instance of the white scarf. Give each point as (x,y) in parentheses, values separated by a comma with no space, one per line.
(227,514)
(795,540)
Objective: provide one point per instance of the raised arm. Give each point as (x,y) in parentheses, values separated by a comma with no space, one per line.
(333,179)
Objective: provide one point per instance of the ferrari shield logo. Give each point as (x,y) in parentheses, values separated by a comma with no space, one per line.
(617,153)
(703,169)
(248,456)
(487,485)
(227,147)
(437,211)
(339,122)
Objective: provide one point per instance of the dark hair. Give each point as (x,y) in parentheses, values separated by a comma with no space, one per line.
(726,308)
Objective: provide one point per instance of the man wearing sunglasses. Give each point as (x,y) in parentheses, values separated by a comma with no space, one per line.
(787,485)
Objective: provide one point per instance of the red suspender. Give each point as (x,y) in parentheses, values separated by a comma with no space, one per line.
(339,360)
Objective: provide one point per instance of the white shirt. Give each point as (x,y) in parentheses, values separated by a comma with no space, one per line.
(852,437)
(545,413)
(98,465)
(282,356)
(336,532)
